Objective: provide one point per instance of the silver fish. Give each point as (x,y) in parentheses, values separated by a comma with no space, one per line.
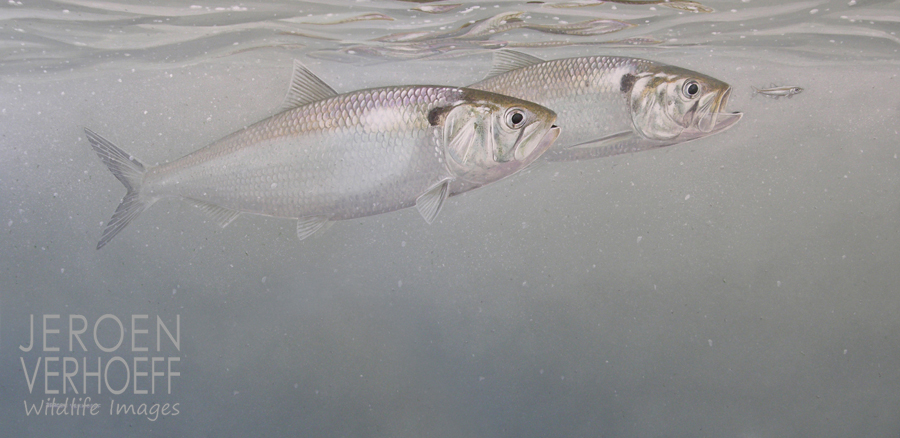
(777,92)
(614,105)
(328,157)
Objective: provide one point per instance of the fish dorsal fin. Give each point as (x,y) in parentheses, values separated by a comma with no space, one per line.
(221,215)
(429,203)
(508,60)
(305,88)
(308,225)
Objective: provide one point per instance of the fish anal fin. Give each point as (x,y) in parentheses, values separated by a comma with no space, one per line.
(308,225)
(507,60)
(220,215)
(429,203)
(305,88)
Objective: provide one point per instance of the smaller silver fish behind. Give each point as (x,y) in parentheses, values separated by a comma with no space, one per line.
(609,105)
(776,92)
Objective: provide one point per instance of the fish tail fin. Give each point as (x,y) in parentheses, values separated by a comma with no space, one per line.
(755,91)
(130,172)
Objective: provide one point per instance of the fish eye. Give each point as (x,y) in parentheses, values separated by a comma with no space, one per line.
(691,89)
(515,118)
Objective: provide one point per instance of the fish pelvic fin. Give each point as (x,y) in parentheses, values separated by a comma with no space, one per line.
(308,225)
(429,203)
(130,172)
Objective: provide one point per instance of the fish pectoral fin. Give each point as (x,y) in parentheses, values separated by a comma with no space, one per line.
(305,88)
(619,143)
(508,60)
(308,225)
(429,203)
(463,139)
(221,215)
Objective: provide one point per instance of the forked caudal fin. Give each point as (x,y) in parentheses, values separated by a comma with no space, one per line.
(128,170)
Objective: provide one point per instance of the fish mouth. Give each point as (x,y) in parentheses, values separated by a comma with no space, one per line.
(711,118)
(532,150)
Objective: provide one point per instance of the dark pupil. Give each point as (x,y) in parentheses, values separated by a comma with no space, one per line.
(693,89)
(516,118)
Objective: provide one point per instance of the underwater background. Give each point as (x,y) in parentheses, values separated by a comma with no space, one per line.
(744,284)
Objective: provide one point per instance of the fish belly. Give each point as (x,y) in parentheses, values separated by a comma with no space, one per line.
(282,167)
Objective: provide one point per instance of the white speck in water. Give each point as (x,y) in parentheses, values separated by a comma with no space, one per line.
(851,3)
(541,371)
(686,197)
(845,351)
(480,378)
(710,342)
(62,270)
(524,284)
(235,393)
(274,185)
(9,224)
(562,377)
(813,11)
(399,283)
(263,279)
(639,239)
(402,243)
(295,386)
(174,290)
(778,283)
(524,225)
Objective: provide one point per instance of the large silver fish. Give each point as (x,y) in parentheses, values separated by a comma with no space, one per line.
(613,105)
(329,157)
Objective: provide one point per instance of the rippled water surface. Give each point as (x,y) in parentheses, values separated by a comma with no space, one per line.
(743,284)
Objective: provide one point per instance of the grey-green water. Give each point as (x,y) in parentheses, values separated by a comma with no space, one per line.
(740,285)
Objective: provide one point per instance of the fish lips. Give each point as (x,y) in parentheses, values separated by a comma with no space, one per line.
(706,118)
(529,151)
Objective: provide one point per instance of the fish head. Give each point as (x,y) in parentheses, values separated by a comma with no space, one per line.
(672,103)
(489,136)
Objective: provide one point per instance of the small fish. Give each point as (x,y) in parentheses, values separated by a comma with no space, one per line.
(612,105)
(777,92)
(329,156)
